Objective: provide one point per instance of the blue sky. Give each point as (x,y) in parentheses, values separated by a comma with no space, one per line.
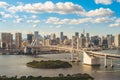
(97,17)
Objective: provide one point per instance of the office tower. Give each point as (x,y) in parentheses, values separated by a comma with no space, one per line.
(6,40)
(109,40)
(82,35)
(47,42)
(87,35)
(77,34)
(61,35)
(82,42)
(95,40)
(117,40)
(35,39)
(18,40)
(52,36)
(87,39)
(29,38)
(104,43)
(36,33)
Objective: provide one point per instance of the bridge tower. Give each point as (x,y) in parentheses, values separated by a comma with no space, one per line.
(75,55)
(34,46)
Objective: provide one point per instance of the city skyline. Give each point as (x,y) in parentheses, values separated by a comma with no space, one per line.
(97,17)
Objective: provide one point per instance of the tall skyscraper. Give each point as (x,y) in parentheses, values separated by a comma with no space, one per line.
(77,34)
(87,35)
(52,36)
(87,39)
(82,42)
(95,40)
(61,37)
(18,40)
(109,40)
(6,40)
(117,40)
(36,33)
(29,38)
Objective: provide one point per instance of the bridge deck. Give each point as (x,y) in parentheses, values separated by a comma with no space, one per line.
(99,54)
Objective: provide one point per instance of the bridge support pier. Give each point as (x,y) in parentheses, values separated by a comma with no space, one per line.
(90,60)
(112,63)
(105,62)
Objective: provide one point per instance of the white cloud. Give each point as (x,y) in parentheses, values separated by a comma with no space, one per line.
(36,21)
(105,2)
(29,21)
(49,7)
(100,12)
(5,15)
(1,14)
(101,20)
(79,21)
(116,23)
(33,21)
(3,4)
(118,0)
(55,20)
(58,26)
(34,16)
(16,16)
(34,26)
(18,20)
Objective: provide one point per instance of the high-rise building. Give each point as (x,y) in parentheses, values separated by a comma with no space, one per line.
(105,43)
(95,40)
(18,40)
(61,35)
(29,38)
(82,35)
(36,33)
(109,40)
(77,34)
(87,35)
(117,40)
(52,36)
(82,42)
(6,40)
(87,39)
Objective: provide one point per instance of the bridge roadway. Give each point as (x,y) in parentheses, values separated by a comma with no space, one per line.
(101,54)
(91,53)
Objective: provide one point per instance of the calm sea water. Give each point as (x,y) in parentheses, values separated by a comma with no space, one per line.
(12,65)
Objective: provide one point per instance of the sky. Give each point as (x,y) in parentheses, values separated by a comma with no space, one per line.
(97,17)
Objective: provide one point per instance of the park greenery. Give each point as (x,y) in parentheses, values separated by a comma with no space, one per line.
(50,64)
(60,77)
